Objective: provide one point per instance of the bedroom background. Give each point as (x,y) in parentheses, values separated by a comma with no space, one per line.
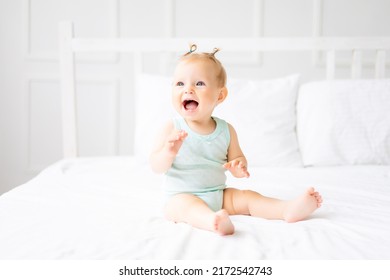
(29,76)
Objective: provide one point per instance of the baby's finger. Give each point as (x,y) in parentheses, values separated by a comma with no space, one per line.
(245,173)
(177,136)
(235,163)
(244,170)
(181,135)
(173,140)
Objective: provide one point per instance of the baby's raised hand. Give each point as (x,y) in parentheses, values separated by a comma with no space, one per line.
(237,168)
(175,140)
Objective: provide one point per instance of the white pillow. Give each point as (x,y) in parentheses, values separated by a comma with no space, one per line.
(344,122)
(262,112)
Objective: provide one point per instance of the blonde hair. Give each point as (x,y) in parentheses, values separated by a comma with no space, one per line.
(210,57)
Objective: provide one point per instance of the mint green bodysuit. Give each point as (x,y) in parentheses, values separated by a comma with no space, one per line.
(198,167)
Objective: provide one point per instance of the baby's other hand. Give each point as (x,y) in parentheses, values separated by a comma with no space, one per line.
(237,168)
(175,140)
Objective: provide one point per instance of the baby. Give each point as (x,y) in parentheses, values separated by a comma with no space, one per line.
(194,152)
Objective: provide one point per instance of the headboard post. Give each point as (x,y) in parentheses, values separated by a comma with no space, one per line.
(380,64)
(356,68)
(68,90)
(137,69)
(330,64)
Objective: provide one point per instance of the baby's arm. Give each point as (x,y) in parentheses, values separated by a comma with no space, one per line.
(167,146)
(237,163)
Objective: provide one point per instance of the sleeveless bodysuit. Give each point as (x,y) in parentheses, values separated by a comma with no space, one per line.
(197,168)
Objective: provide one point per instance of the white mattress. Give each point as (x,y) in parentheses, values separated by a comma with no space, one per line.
(110,208)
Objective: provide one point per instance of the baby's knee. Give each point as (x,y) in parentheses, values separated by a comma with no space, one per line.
(237,202)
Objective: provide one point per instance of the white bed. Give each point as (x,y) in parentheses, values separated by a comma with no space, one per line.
(334,135)
(97,209)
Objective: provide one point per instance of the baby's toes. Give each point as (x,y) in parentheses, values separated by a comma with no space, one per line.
(319,201)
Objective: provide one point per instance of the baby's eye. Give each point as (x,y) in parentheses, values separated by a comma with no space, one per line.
(179,84)
(200,83)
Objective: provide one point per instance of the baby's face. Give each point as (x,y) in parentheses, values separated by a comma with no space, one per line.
(196,91)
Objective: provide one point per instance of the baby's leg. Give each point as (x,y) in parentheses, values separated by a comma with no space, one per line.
(191,209)
(248,202)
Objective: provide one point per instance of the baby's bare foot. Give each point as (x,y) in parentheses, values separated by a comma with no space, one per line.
(301,207)
(222,223)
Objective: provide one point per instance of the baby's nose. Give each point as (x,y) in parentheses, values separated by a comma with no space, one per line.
(189,90)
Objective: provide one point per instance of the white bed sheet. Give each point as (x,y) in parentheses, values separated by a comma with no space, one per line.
(110,208)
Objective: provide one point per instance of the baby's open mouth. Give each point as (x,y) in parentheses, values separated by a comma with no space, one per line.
(190,104)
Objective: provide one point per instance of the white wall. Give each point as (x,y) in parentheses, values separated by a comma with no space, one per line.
(30,132)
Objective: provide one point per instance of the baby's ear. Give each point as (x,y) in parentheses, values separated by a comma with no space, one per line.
(222,94)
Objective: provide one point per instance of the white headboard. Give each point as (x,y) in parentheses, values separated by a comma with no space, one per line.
(69,46)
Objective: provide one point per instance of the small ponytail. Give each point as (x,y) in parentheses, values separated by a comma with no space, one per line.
(193,48)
